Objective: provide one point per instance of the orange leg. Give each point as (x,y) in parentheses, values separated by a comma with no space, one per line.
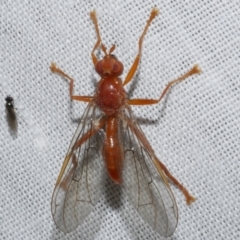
(133,68)
(55,69)
(141,101)
(76,145)
(188,196)
(66,181)
(162,169)
(89,134)
(95,22)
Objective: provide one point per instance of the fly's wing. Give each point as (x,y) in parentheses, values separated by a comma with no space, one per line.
(79,184)
(146,186)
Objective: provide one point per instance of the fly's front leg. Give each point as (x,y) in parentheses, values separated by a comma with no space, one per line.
(141,101)
(57,70)
(95,22)
(133,68)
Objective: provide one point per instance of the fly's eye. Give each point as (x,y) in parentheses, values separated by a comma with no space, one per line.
(98,67)
(117,67)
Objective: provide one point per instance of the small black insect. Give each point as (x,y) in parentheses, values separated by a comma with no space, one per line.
(11,113)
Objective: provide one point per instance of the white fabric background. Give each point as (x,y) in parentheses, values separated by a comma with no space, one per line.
(195,131)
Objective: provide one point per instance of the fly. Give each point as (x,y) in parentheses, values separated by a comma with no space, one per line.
(11,113)
(116,145)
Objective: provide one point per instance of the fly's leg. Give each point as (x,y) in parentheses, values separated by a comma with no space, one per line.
(160,166)
(72,155)
(57,70)
(133,68)
(65,183)
(141,101)
(89,134)
(95,22)
(188,196)
(162,169)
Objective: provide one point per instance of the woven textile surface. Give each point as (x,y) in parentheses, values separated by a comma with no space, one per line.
(195,130)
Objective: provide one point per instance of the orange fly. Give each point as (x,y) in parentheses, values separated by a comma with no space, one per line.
(108,139)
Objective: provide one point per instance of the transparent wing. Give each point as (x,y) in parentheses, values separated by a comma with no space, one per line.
(145,184)
(79,184)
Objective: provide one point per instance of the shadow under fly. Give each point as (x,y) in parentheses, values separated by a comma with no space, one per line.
(11,115)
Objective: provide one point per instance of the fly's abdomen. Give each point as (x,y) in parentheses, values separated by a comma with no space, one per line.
(112,150)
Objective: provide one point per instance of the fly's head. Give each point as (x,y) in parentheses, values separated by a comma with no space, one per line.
(109,66)
(9,103)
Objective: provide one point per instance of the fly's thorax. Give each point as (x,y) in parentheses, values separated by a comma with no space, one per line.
(110,95)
